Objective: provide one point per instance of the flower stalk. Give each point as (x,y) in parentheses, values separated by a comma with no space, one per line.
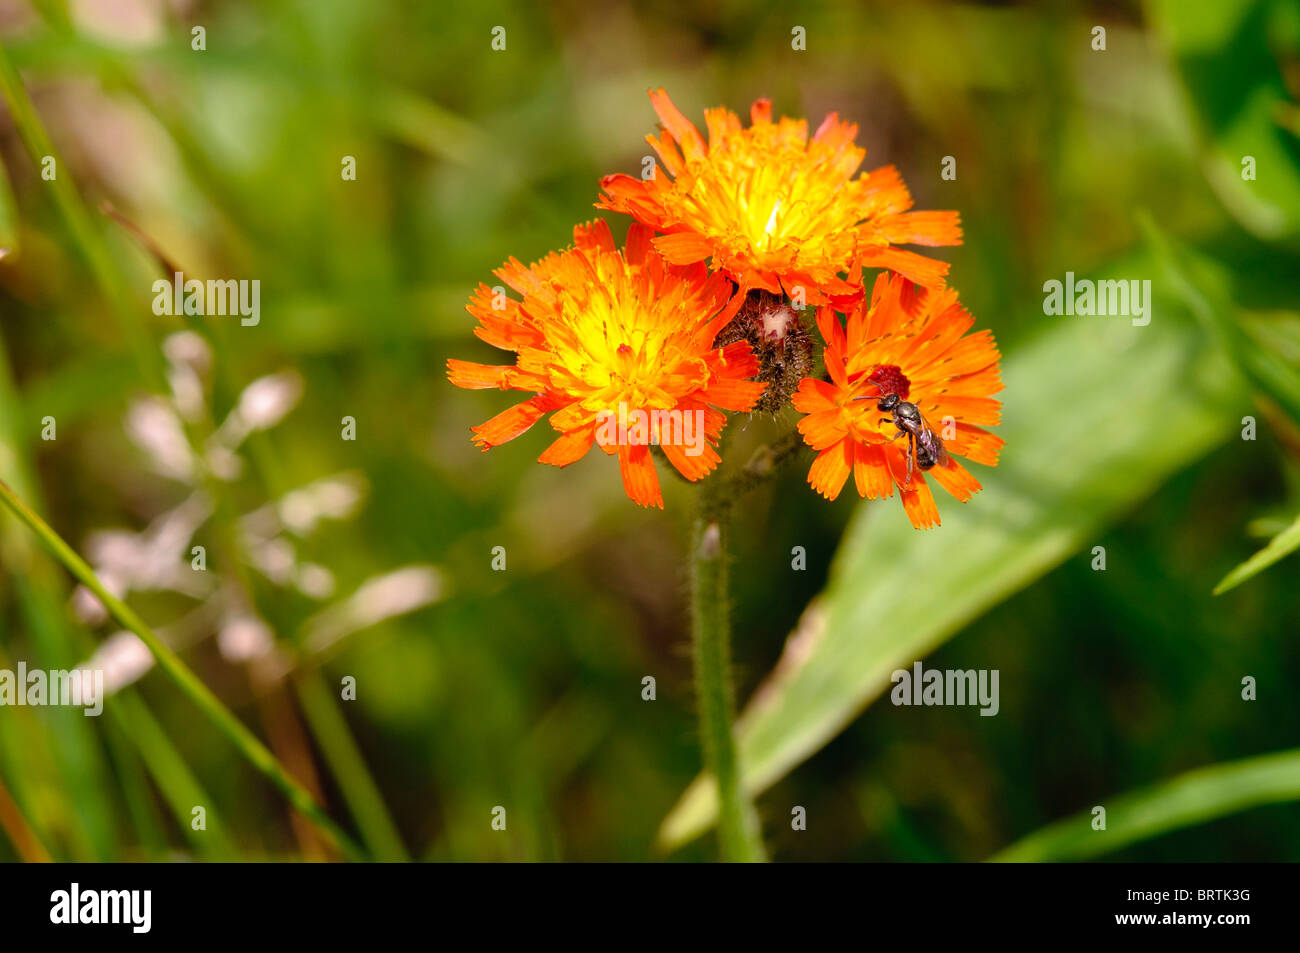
(739,836)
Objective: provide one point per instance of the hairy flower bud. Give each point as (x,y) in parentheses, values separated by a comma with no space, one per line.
(780,341)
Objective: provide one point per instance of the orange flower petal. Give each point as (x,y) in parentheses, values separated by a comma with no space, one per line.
(682,129)
(601,332)
(975,443)
(956,479)
(924,271)
(732,394)
(775,210)
(639,478)
(919,506)
(871,473)
(691,466)
(923,228)
(823,428)
(569,448)
(473,376)
(830,470)
(975,410)
(637,244)
(510,423)
(683,248)
(814,395)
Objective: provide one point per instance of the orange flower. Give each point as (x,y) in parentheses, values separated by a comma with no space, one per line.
(776,211)
(618,349)
(914,345)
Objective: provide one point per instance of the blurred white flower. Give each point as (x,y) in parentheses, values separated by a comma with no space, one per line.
(153,560)
(123,658)
(265,402)
(135,23)
(262,405)
(224,463)
(188,347)
(188,359)
(334,498)
(244,637)
(159,557)
(378,598)
(276,559)
(314,581)
(153,426)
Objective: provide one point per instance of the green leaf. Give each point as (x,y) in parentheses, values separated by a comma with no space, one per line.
(1283,544)
(1201,285)
(1098,413)
(1224,51)
(1189,799)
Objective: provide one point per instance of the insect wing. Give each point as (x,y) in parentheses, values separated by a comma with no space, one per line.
(932,444)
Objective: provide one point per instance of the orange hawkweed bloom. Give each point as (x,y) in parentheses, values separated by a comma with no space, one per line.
(913,344)
(777,211)
(603,335)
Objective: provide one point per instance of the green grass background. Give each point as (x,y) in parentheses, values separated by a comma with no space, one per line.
(523,688)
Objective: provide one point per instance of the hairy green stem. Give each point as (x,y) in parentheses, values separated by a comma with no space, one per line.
(738,828)
(189,683)
(762,466)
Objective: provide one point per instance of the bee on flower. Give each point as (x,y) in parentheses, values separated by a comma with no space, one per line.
(701,313)
(914,346)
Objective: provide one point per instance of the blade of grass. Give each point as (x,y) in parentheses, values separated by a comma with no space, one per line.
(64,776)
(1189,799)
(130,771)
(179,787)
(1280,546)
(249,746)
(70,741)
(8,217)
(349,768)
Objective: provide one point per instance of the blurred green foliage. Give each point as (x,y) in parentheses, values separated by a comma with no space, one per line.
(523,688)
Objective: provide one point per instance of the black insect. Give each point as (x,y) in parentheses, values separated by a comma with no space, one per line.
(924,448)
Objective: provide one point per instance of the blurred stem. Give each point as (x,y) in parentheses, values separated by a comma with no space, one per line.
(349,768)
(26,844)
(189,683)
(178,786)
(84,229)
(288,742)
(762,466)
(738,829)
